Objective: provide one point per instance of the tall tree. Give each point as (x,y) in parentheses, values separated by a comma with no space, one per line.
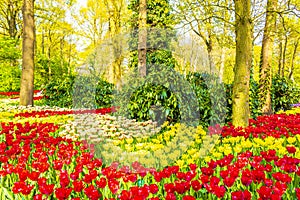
(142,43)
(265,71)
(27,79)
(243,60)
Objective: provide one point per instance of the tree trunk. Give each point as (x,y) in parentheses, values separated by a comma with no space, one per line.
(142,43)
(27,79)
(12,19)
(280,58)
(240,109)
(49,63)
(210,49)
(62,60)
(69,58)
(284,55)
(49,55)
(293,59)
(222,64)
(210,57)
(265,71)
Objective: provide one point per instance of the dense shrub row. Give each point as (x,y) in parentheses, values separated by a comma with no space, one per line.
(152,101)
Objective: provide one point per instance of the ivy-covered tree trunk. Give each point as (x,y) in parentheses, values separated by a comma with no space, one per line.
(27,89)
(243,29)
(142,43)
(265,71)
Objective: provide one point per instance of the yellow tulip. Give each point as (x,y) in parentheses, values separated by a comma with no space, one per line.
(291,140)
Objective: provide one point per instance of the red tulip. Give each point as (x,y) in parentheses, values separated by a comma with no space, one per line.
(291,149)
(125,195)
(153,188)
(265,192)
(92,193)
(113,185)
(78,186)
(62,193)
(219,191)
(46,189)
(101,183)
(188,197)
(229,181)
(196,185)
(297,193)
(170,196)
(64,179)
(241,195)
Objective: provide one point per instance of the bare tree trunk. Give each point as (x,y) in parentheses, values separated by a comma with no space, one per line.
(62,39)
(280,58)
(284,56)
(210,59)
(222,64)
(243,28)
(69,58)
(27,79)
(210,50)
(293,59)
(265,71)
(142,43)
(49,63)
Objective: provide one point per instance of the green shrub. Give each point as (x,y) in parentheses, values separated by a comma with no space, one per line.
(254,99)
(10,67)
(211,96)
(154,102)
(58,92)
(284,93)
(160,102)
(9,78)
(162,95)
(79,92)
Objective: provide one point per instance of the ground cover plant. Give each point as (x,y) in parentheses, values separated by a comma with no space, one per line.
(44,156)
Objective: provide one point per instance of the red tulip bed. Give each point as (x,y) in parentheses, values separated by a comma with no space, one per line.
(261,161)
(15,95)
(47,113)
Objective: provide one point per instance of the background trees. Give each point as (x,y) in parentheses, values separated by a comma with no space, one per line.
(67,32)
